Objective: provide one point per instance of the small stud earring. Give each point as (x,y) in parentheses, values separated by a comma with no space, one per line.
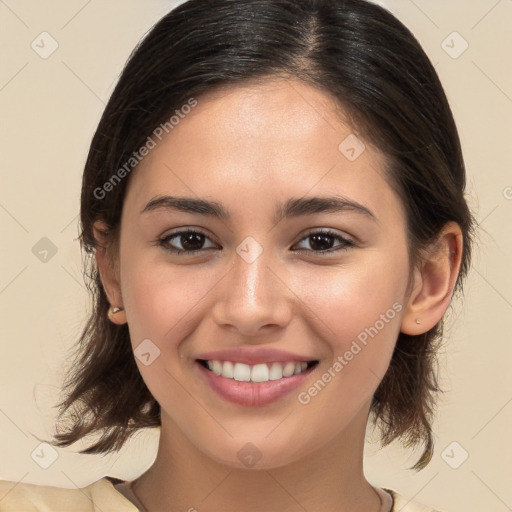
(114,309)
(417,321)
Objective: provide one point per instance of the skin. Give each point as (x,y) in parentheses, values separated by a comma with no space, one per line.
(250,148)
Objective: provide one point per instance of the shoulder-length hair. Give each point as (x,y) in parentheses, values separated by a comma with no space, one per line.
(360,55)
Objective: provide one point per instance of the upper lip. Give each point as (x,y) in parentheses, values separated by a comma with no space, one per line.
(253,356)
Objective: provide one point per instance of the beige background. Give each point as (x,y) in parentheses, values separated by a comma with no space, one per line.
(49,111)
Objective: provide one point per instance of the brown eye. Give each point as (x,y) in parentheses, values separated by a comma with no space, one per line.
(185,242)
(323,242)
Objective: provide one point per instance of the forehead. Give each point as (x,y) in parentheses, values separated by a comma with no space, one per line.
(272,119)
(274,139)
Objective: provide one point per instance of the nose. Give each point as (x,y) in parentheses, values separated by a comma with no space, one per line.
(253,299)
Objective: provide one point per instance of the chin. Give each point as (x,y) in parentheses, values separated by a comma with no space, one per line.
(256,453)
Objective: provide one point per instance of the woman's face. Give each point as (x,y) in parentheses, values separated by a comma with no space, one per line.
(263,287)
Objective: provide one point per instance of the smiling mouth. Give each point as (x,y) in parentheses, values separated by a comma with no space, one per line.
(262,372)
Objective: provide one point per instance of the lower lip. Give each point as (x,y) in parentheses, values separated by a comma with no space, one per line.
(253,394)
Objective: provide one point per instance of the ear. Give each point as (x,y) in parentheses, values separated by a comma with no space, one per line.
(434,282)
(109,272)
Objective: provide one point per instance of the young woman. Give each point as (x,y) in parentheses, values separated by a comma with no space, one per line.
(274,206)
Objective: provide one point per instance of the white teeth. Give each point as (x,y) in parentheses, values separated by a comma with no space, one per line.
(257,373)
(276,372)
(288,369)
(217,367)
(242,372)
(228,370)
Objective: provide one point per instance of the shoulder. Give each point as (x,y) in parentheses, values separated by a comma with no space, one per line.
(403,504)
(25,497)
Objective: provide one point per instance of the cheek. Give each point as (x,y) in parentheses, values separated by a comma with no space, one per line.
(163,304)
(345,301)
(358,315)
(160,299)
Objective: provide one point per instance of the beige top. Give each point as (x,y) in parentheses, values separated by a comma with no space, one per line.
(112,495)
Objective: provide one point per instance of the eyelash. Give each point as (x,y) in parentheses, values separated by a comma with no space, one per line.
(345,243)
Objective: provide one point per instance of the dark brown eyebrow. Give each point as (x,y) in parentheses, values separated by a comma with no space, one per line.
(294,207)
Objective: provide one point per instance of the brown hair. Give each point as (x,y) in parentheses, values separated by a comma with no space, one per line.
(360,55)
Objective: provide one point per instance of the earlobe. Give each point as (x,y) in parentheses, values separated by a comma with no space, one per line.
(116,315)
(434,282)
(108,274)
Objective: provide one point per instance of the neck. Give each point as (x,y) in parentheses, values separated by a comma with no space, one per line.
(330,479)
